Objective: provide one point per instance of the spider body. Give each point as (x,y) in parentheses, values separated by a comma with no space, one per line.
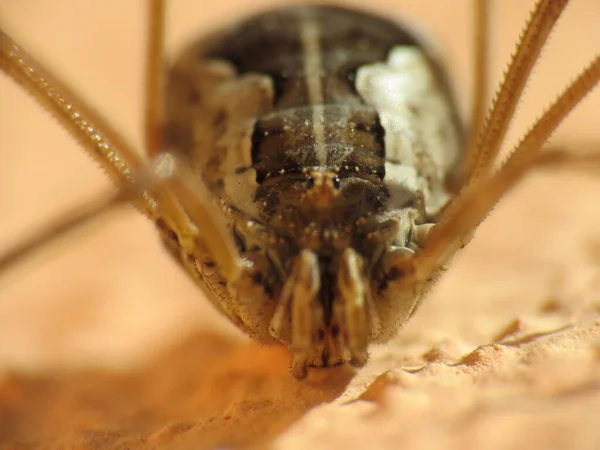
(330,138)
(307,169)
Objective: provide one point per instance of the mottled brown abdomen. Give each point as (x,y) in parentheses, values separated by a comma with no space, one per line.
(259,107)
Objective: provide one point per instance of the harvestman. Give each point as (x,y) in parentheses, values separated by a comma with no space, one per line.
(330,290)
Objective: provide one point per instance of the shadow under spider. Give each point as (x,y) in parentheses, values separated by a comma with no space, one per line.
(211,390)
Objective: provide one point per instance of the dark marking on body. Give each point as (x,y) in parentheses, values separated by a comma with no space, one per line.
(314,124)
(273,44)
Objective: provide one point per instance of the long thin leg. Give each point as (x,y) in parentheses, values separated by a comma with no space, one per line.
(154,107)
(180,200)
(68,222)
(93,133)
(478,199)
(183,194)
(198,212)
(587,160)
(533,38)
(481,41)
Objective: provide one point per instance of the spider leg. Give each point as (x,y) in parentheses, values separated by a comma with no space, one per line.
(154,107)
(177,192)
(481,41)
(189,208)
(485,143)
(116,156)
(470,208)
(177,198)
(586,160)
(68,222)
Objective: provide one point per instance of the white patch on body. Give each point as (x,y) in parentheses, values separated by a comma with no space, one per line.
(403,184)
(422,143)
(240,99)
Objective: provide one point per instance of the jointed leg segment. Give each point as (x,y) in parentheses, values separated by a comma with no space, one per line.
(93,133)
(166,190)
(480,81)
(485,145)
(155,80)
(476,201)
(170,193)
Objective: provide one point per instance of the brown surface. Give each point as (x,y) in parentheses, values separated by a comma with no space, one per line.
(104,343)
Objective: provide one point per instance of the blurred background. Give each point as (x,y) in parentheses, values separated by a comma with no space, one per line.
(108,296)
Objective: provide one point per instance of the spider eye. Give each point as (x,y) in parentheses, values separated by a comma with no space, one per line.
(336,182)
(310,183)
